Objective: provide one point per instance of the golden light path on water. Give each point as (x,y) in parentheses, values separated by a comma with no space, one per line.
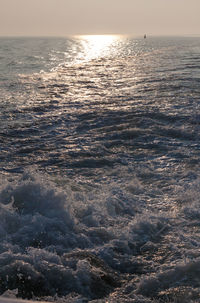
(95,46)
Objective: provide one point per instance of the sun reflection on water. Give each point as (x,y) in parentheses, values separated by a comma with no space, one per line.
(95,46)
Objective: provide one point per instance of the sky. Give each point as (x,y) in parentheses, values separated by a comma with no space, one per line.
(74,17)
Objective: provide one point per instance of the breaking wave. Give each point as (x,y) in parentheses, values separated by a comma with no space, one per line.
(70,242)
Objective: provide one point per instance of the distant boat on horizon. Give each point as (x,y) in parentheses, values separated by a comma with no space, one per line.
(145,36)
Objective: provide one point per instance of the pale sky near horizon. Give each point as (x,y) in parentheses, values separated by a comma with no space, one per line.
(68,17)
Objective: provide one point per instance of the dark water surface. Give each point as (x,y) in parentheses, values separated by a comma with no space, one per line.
(99,167)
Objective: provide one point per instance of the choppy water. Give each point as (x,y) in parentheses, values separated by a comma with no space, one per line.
(99,162)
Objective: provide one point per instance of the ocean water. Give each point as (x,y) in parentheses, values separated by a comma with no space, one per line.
(99,169)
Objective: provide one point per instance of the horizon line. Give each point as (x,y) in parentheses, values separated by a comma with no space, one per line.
(98,34)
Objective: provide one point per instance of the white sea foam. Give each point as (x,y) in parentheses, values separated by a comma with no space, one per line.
(56,241)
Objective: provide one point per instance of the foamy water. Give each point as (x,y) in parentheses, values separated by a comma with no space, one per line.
(99,196)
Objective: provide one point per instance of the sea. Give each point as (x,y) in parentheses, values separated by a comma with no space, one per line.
(99,169)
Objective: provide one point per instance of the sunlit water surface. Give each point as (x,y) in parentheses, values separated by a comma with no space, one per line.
(99,153)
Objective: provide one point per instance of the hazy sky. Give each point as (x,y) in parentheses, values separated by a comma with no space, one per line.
(65,17)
